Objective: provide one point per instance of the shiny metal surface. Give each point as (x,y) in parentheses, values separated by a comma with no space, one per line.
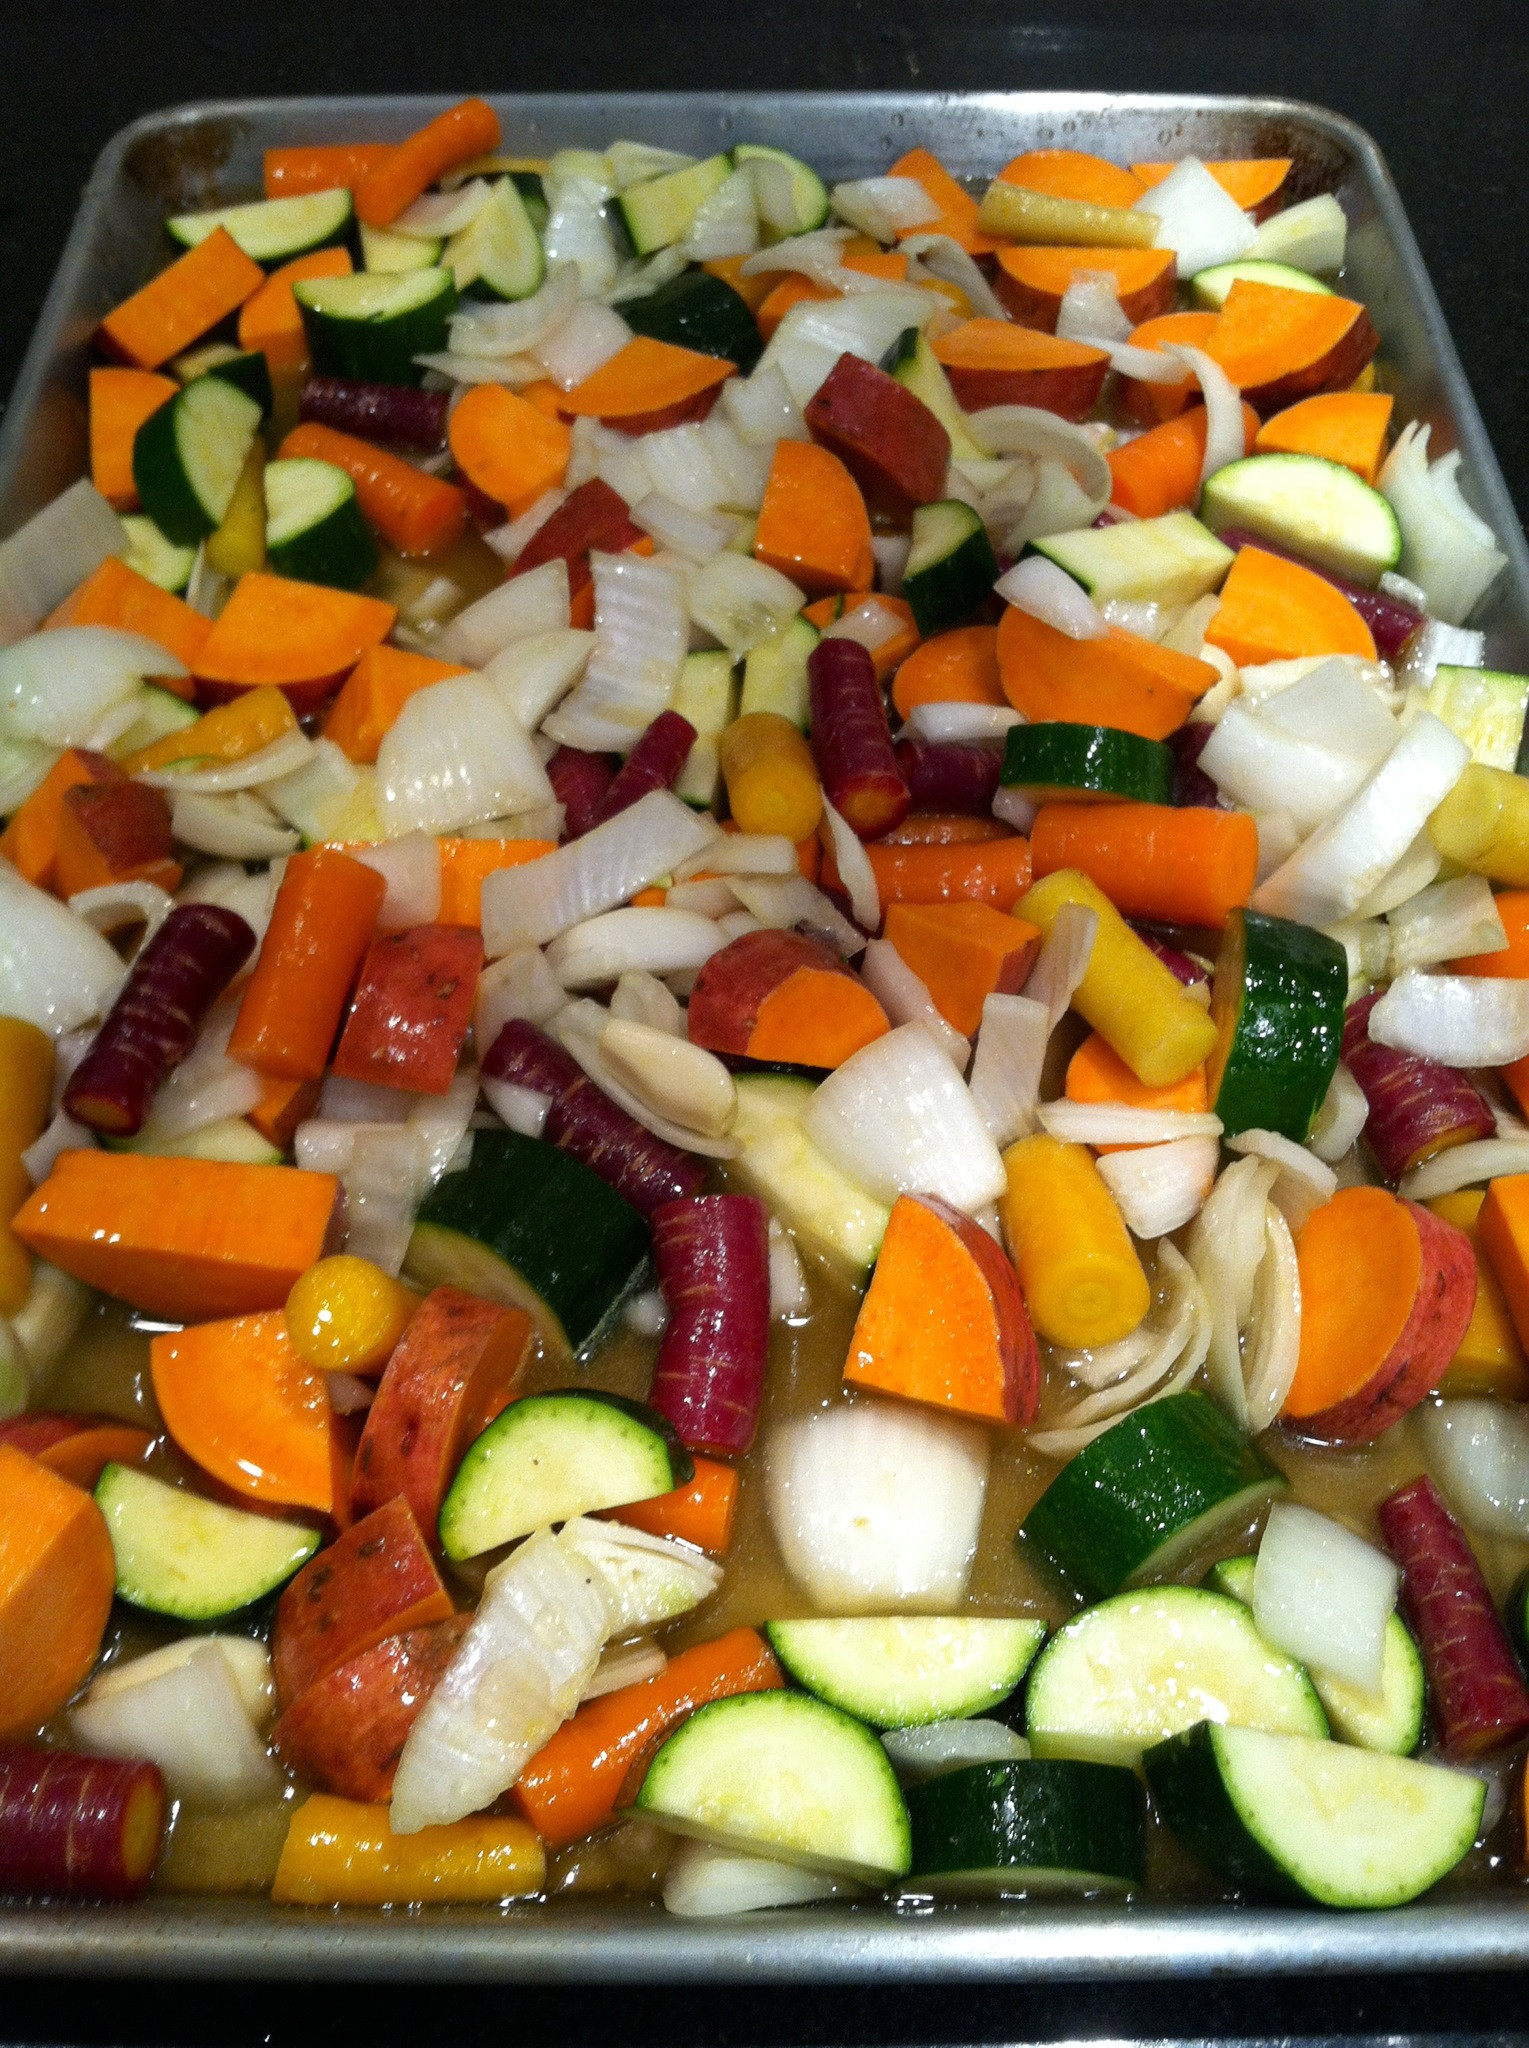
(201,154)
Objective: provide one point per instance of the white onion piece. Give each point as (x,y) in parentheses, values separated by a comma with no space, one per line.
(1311,235)
(535,674)
(789,1298)
(237,826)
(813,336)
(625,1664)
(906,999)
(787,901)
(898,1119)
(742,602)
(640,998)
(679,465)
(207,1086)
(1465,1020)
(510,541)
(940,1746)
(1117,1123)
(1006,1071)
(877,1504)
(870,624)
(642,634)
(482,329)
(855,871)
(115,904)
(1197,218)
(1012,807)
(514,371)
(678,1081)
(1226,1247)
(1323,1595)
(411,868)
(645,1580)
(1029,430)
(384,1179)
(1225,434)
(580,1029)
(657,940)
(520,984)
(696,535)
(1332,707)
(1330,875)
(346,1101)
(1063,961)
(1447,549)
(711,898)
(1090,310)
(192,1722)
(43,561)
(349,1395)
(536,602)
(1341,1118)
(1142,365)
(293,750)
(882,207)
(455,755)
(741,853)
(1479,1452)
(518,1109)
(1434,646)
(63,1134)
(56,971)
(252,896)
(762,409)
(248,1661)
(1417,868)
(441,1122)
(704,1882)
(1159,1187)
(24,766)
(526,906)
(961,724)
(1037,586)
(56,687)
(944,258)
(1465,1166)
(590,336)
(437,214)
(646,1313)
(1272,1342)
(1452,920)
(1304,1183)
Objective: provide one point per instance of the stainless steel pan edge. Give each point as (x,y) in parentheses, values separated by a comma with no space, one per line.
(191,155)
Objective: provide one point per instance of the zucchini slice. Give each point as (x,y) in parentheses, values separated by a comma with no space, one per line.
(904,1671)
(372,325)
(1392,1721)
(1314,1820)
(1086,764)
(707,695)
(382,250)
(187,457)
(180,1554)
(155,558)
(1212,287)
(1056,1825)
(160,712)
(1277,1001)
(272,231)
(1169,560)
(1317,508)
(550,1457)
(248,370)
(951,566)
(775,674)
(791,197)
(1160,1484)
(314,530)
(912,361)
(828,1214)
(657,212)
(781,1774)
(1150,1663)
(698,311)
(1484,707)
(498,255)
(530,1225)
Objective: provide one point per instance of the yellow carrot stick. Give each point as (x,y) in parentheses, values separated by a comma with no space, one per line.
(1078,1270)
(341,1853)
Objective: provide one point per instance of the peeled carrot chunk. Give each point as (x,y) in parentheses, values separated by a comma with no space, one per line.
(949,870)
(1178,864)
(1277,610)
(320,167)
(1121,680)
(57,1578)
(700,1512)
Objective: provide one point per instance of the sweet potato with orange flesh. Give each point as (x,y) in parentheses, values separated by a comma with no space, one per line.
(120,402)
(77,1447)
(1121,680)
(1154,403)
(1387,1290)
(943,1320)
(114,832)
(1033,281)
(30,841)
(1255,183)
(346,1731)
(376,1580)
(1276,610)
(782,996)
(963,953)
(1348,427)
(303,637)
(1073,174)
(374,693)
(958,667)
(182,303)
(57,1577)
(888,440)
(646,379)
(115,595)
(958,209)
(993,362)
(238,1399)
(454,1368)
(813,525)
(1277,345)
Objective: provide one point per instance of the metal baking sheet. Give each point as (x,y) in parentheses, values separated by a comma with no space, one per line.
(203,154)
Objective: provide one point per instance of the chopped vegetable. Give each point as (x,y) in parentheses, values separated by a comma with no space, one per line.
(80,1827)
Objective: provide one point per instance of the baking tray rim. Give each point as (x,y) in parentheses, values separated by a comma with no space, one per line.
(988,1941)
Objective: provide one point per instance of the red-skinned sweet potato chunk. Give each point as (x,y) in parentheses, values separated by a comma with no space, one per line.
(453,1369)
(593,516)
(76,1447)
(116,831)
(347,1730)
(996,362)
(782,996)
(376,1580)
(888,440)
(412,1008)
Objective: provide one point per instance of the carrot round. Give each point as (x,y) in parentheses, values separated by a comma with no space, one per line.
(26,1093)
(958,667)
(1189,866)
(396,180)
(1160,470)
(1348,427)
(240,1403)
(508,448)
(415,513)
(1121,680)
(571,1786)
(320,167)
(320,928)
(646,378)
(700,1512)
(772,780)
(1082,1280)
(1277,610)
(57,1578)
(813,525)
(963,953)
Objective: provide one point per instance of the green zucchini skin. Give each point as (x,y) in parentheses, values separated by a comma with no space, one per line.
(370,326)
(191,1558)
(1278,1004)
(1048,1826)
(698,311)
(1082,763)
(952,567)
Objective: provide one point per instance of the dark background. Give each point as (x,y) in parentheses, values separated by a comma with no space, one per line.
(1443,85)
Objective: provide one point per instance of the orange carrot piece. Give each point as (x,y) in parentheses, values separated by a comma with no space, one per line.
(963,953)
(571,1786)
(958,667)
(1348,1329)
(1254,183)
(1032,281)
(647,376)
(1097,1073)
(752,290)
(792,290)
(26,1097)
(507,448)
(395,181)
(416,514)
(1181,866)
(943,1321)
(374,693)
(116,831)
(1277,345)
(958,209)
(283,1106)
(1074,174)
(1160,470)
(320,167)
(816,1018)
(120,402)
(115,595)
(891,654)
(1277,610)
(1503,1227)
(466,864)
(180,1238)
(813,525)
(30,841)
(1348,427)
(321,926)
(57,1578)
(303,637)
(995,871)
(1153,403)
(700,1512)
(1121,680)
(1513,960)
(178,307)
(270,321)
(946,828)
(1490,1360)
(995,362)
(227,733)
(243,1406)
